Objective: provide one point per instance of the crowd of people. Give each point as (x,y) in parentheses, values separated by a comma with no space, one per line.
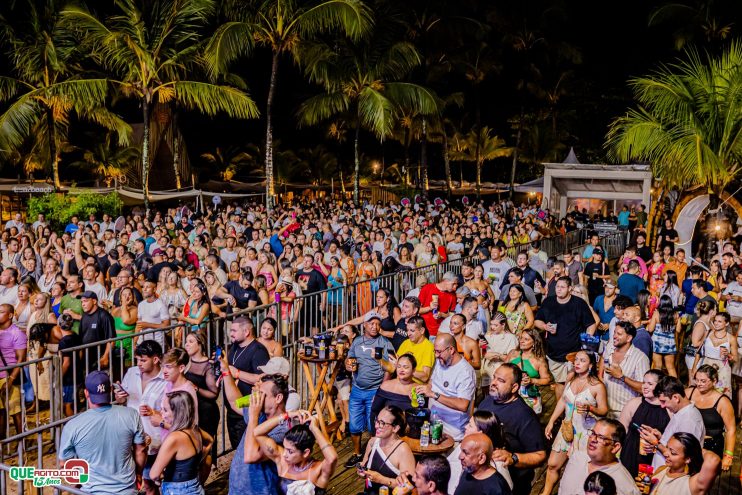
(485,340)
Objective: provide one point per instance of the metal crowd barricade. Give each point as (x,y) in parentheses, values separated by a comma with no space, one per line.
(304,316)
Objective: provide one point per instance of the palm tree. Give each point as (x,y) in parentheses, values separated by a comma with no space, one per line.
(148,49)
(696,20)
(688,123)
(107,159)
(366,84)
(284,26)
(46,87)
(228,161)
(482,147)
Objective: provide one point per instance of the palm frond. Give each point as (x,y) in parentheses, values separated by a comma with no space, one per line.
(376,112)
(323,106)
(351,17)
(230,41)
(413,98)
(211,99)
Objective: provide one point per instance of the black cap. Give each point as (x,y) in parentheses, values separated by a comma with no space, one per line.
(88,294)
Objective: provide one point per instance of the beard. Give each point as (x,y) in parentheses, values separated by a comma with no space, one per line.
(499,397)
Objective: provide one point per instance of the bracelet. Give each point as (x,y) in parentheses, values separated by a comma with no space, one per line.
(226,373)
(328,445)
(730,454)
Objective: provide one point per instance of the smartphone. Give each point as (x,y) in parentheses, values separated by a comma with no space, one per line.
(218,352)
(118,388)
(360,467)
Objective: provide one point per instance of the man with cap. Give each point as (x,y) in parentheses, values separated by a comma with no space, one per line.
(438,301)
(281,366)
(96,325)
(159,261)
(109,437)
(366,352)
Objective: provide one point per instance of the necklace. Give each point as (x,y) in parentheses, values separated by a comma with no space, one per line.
(234,361)
(303,468)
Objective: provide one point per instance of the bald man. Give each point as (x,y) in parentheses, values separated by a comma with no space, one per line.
(479,476)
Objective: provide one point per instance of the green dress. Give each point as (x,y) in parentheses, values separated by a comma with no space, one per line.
(121,330)
(530,393)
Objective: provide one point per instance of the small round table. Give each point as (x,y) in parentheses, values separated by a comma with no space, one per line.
(414,443)
(325,405)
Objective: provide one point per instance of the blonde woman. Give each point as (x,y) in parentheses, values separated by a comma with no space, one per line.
(500,342)
(40,377)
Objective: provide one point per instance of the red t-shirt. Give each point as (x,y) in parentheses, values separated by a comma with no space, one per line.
(446,304)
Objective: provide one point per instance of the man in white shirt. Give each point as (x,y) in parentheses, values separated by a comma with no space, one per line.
(622,368)
(495,269)
(9,287)
(452,387)
(144,385)
(604,444)
(686,418)
(90,277)
(16,221)
(733,297)
(152,313)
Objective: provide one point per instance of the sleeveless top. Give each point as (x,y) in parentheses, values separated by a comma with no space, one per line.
(283,484)
(646,414)
(675,486)
(379,462)
(526,366)
(120,326)
(714,424)
(185,470)
(387,324)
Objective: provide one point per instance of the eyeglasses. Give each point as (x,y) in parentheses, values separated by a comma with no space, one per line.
(438,353)
(382,423)
(602,438)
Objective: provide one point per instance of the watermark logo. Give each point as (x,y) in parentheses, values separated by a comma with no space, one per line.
(74,472)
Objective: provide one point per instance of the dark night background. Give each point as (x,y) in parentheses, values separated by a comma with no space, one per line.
(591,49)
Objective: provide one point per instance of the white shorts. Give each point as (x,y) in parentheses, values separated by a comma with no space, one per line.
(559,370)
(343,387)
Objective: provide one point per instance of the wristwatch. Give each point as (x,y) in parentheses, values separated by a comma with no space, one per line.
(162,424)
(436,396)
(515,459)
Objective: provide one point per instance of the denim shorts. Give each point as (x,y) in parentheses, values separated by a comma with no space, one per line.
(68,394)
(359,409)
(191,487)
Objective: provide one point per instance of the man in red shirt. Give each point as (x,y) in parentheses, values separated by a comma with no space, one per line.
(438,301)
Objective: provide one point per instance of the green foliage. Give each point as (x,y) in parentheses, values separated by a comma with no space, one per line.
(59,208)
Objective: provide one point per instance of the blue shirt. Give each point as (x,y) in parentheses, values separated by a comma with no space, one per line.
(629,285)
(599,307)
(276,245)
(370,374)
(690,299)
(643,342)
(255,478)
(623,218)
(105,437)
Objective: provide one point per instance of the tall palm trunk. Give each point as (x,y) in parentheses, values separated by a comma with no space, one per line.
(406,169)
(424,155)
(357,161)
(515,153)
(53,155)
(145,152)
(269,185)
(447,165)
(176,149)
(479,178)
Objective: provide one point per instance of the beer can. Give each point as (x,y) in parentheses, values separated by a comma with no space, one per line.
(383,490)
(436,432)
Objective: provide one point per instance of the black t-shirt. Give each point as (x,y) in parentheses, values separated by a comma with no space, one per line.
(671,233)
(644,253)
(400,333)
(523,433)
(113,270)
(67,342)
(572,319)
(96,327)
(315,281)
(248,359)
(103,263)
(595,284)
(241,296)
(494,485)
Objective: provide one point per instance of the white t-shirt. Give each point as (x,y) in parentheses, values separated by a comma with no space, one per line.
(154,312)
(458,381)
(687,420)
(455,250)
(99,289)
(576,471)
(734,307)
(494,272)
(9,295)
(151,396)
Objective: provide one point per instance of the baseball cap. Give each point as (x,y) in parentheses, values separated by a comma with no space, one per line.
(371,315)
(88,294)
(98,385)
(158,252)
(278,365)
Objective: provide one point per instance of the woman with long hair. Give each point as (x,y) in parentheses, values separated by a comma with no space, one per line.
(200,372)
(125,318)
(267,337)
(197,309)
(22,311)
(234,271)
(387,455)
(406,258)
(174,296)
(688,469)
(293,459)
(336,280)
(706,310)
(655,273)
(583,400)
(396,392)
(366,272)
(500,341)
(671,288)
(531,358)
(184,449)
(719,350)
(643,410)
(57,292)
(717,412)
(259,284)
(40,377)
(715,277)
(266,268)
(480,422)
(516,308)
(664,325)
(481,289)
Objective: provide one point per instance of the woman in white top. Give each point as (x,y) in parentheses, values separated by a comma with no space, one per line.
(719,349)
(481,422)
(500,341)
(706,310)
(689,470)
(41,313)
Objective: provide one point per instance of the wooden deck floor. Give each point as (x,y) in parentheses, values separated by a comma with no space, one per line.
(346,482)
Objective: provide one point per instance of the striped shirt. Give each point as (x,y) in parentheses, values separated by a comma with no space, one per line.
(634,364)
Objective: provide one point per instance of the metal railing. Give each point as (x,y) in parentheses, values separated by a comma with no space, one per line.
(301,318)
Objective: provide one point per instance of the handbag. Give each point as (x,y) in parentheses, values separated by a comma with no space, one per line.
(568,431)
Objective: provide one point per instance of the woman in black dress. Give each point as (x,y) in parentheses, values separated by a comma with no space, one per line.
(201,373)
(644,410)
